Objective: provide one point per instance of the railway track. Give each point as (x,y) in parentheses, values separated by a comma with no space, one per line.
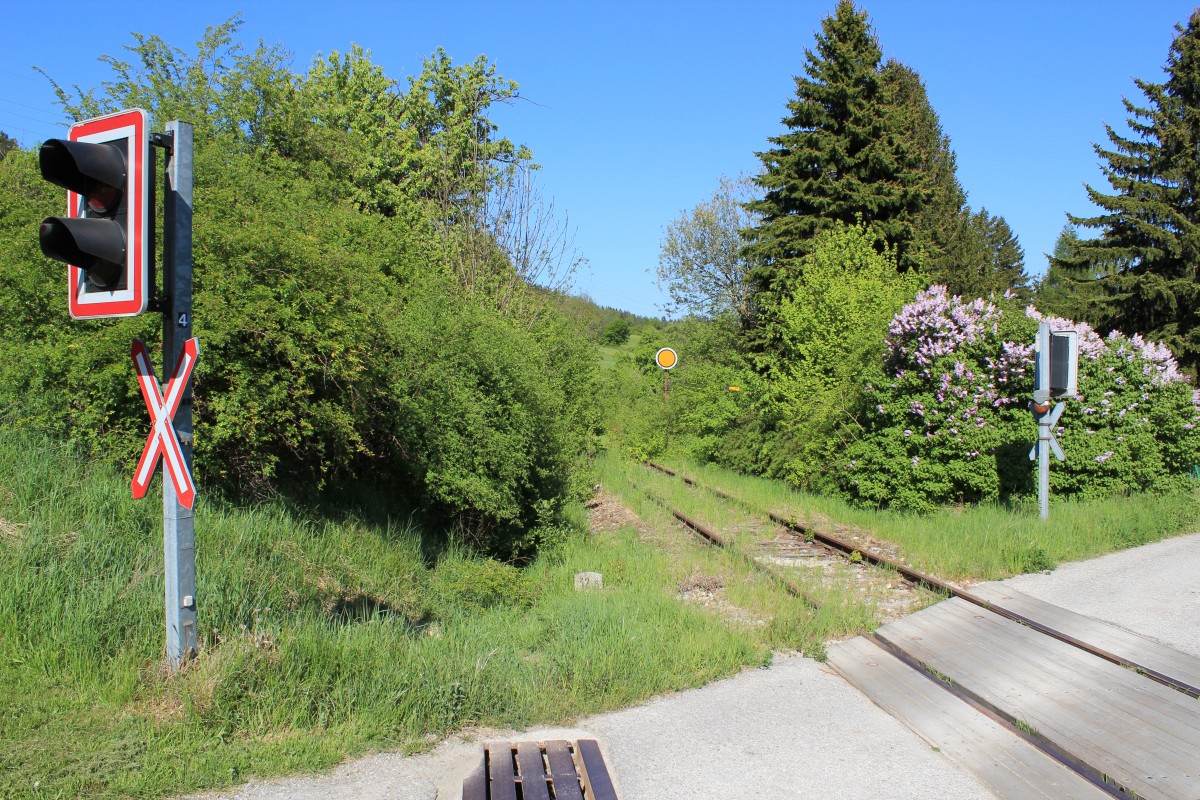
(1099,711)
(787,552)
(834,544)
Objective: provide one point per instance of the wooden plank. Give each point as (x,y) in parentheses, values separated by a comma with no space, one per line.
(1143,734)
(1125,691)
(475,784)
(596,782)
(502,780)
(532,771)
(1096,692)
(563,775)
(1010,767)
(1131,646)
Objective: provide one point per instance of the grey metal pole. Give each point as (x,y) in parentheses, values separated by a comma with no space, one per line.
(1044,466)
(179,543)
(1041,395)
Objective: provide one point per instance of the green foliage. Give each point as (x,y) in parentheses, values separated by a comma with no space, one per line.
(357,317)
(1136,428)
(848,152)
(584,315)
(490,421)
(1069,290)
(703,263)
(616,333)
(320,640)
(1149,244)
(7,144)
(472,584)
(946,422)
(708,412)
(824,339)
(942,227)
(988,259)
(865,145)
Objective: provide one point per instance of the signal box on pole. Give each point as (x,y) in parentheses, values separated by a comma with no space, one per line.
(106,237)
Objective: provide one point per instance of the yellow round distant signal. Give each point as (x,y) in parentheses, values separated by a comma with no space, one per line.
(666,358)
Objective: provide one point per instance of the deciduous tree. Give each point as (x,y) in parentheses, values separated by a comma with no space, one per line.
(703,263)
(7,143)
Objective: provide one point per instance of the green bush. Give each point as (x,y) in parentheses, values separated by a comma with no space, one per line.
(338,340)
(472,584)
(491,421)
(616,332)
(822,339)
(701,417)
(947,421)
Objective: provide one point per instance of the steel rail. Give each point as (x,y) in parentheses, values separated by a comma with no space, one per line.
(1007,721)
(939,585)
(712,537)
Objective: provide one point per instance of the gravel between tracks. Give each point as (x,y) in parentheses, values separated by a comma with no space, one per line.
(794,729)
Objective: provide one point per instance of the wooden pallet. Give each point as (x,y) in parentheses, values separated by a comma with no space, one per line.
(556,769)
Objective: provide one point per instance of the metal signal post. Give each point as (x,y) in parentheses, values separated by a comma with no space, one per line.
(1056,377)
(179,541)
(107,240)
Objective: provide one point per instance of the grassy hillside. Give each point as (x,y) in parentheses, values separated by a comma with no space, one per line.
(321,639)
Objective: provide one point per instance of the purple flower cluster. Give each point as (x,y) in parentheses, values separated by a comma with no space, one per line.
(936,324)
(953,405)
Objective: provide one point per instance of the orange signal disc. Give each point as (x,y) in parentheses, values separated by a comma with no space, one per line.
(666,358)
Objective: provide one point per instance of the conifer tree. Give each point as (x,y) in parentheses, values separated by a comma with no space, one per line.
(842,159)
(1070,291)
(943,234)
(1147,255)
(972,254)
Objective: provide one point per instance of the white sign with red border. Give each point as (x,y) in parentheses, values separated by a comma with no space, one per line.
(86,301)
(162,439)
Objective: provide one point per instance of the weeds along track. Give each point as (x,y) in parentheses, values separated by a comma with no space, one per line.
(814,544)
(795,558)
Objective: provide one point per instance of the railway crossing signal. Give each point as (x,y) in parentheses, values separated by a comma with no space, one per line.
(107,240)
(163,406)
(1056,359)
(106,237)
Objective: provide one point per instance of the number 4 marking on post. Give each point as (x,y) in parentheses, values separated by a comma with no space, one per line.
(162,437)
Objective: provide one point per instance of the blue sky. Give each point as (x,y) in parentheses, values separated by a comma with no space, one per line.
(635,109)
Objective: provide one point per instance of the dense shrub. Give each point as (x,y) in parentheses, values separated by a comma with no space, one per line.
(946,421)
(616,332)
(702,417)
(823,337)
(491,420)
(340,340)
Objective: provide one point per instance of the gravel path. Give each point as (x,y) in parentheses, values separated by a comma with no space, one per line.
(794,729)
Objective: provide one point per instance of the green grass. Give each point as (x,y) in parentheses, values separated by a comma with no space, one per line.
(980,542)
(321,639)
(324,639)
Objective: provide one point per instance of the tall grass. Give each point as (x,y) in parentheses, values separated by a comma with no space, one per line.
(320,639)
(325,638)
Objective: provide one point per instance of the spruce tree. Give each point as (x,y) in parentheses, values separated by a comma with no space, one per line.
(972,254)
(1148,251)
(843,158)
(1067,291)
(939,229)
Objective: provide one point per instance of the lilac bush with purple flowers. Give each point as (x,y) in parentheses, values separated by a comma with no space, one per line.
(948,421)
